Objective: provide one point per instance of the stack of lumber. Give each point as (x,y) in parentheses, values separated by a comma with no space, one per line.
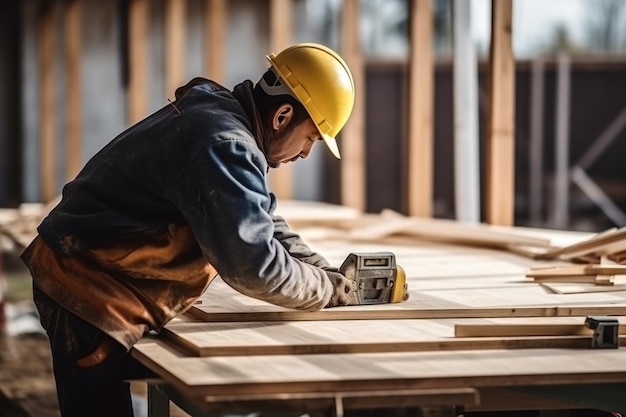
(580,277)
(389,226)
(581,262)
(610,244)
(19,225)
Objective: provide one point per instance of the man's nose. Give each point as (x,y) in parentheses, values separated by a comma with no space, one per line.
(306,150)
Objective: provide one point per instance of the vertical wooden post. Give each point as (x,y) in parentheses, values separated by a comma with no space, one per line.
(420,123)
(466,145)
(138,58)
(214,39)
(560,207)
(501,126)
(352,141)
(73,35)
(535,162)
(46,101)
(281,179)
(174,56)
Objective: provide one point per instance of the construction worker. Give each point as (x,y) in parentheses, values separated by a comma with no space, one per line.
(170,203)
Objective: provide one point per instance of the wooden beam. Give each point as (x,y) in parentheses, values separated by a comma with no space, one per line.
(137,106)
(175,44)
(281,179)
(73,45)
(501,127)
(466,145)
(214,35)
(561,327)
(560,190)
(47,137)
(420,120)
(352,142)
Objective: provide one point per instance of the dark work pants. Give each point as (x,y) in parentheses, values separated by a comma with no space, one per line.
(94,390)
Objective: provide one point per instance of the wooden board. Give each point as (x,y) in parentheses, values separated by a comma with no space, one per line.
(259,374)
(443,280)
(359,336)
(581,288)
(563,326)
(445,230)
(352,137)
(420,147)
(572,270)
(600,243)
(500,162)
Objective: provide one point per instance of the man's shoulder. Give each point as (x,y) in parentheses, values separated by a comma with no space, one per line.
(202,83)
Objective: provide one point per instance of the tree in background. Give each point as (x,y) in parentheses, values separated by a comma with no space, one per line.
(605,26)
(384,25)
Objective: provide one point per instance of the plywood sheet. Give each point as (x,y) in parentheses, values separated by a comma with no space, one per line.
(363,336)
(221,303)
(444,281)
(260,374)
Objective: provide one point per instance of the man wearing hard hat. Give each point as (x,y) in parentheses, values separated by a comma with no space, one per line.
(170,203)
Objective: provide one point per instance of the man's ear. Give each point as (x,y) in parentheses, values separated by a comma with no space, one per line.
(282,116)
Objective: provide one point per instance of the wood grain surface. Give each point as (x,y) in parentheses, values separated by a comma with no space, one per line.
(261,374)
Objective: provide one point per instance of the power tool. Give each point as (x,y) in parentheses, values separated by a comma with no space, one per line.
(376,279)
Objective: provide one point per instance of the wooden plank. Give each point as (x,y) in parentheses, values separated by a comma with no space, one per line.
(314,212)
(561,178)
(600,243)
(262,374)
(281,179)
(214,39)
(47,113)
(138,76)
(564,326)
(501,118)
(73,46)
(358,336)
(355,313)
(175,45)
(582,288)
(352,138)
(444,230)
(310,401)
(466,112)
(589,279)
(572,270)
(420,149)
(221,303)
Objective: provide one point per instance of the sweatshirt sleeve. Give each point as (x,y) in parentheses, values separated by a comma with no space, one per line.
(294,244)
(223,195)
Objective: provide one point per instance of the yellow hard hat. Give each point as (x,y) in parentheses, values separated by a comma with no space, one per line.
(322,82)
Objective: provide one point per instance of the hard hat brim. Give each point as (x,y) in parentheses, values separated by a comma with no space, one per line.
(331,143)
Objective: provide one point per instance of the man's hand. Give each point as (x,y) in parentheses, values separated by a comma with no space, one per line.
(342,286)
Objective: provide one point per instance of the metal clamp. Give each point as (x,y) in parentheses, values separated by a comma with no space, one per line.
(605,332)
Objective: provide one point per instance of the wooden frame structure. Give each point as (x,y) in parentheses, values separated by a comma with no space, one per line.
(419,147)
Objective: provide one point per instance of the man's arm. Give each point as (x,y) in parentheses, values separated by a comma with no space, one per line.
(223,196)
(294,243)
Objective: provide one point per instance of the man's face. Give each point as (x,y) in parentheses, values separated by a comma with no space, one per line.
(288,143)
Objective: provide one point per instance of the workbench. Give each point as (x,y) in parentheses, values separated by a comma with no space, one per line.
(231,353)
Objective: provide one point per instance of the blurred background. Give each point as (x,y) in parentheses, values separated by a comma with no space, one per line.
(75,73)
